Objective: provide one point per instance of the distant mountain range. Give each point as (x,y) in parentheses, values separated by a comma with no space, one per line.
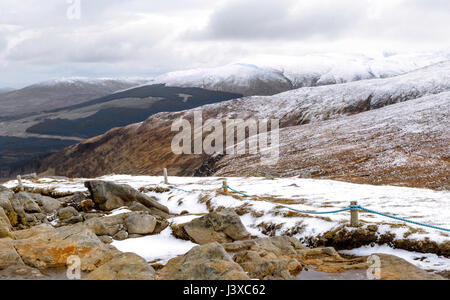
(269,74)
(50,130)
(418,133)
(297,90)
(97,116)
(6,90)
(58,93)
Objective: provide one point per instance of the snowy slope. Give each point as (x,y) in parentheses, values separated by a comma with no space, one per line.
(251,75)
(240,78)
(404,143)
(323,69)
(82,81)
(6,90)
(311,104)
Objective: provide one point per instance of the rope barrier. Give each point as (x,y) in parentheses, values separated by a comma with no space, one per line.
(350,208)
(175,188)
(293,209)
(358,207)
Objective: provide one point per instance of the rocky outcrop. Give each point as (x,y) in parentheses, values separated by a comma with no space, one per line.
(5,198)
(46,247)
(5,225)
(8,255)
(47,205)
(122,225)
(68,213)
(125,266)
(11,264)
(222,226)
(74,200)
(109,226)
(206,262)
(268,258)
(395,268)
(109,196)
(140,224)
(27,203)
(21,209)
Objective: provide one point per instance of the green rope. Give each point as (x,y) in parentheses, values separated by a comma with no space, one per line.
(351,207)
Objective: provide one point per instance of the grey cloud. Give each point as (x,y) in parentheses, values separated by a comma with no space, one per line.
(138,37)
(283,19)
(431,5)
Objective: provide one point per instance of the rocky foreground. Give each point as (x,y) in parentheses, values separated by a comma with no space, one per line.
(41,232)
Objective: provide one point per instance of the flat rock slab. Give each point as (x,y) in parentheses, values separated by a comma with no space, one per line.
(395,268)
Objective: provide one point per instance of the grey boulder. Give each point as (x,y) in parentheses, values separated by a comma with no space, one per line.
(140,223)
(222,226)
(109,196)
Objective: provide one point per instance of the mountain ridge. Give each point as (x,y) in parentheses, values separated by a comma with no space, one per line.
(145,148)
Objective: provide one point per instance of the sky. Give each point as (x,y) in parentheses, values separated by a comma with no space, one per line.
(42,40)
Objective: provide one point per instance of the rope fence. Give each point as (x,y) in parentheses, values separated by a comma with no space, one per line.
(354,208)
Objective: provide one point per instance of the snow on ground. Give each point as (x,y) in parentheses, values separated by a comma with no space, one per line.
(121,210)
(156,248)
(425,261)
(196,194)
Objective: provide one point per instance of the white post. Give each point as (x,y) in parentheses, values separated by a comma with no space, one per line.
(166,180)
(354,222)
(19,179)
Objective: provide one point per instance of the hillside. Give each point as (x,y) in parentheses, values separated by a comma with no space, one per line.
(43,133)
(6,90)
(58,93)
(270,74)
(401,144)
(145,148)
(97,116)
(239,78)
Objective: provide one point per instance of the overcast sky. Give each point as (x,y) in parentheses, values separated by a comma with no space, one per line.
(40,40)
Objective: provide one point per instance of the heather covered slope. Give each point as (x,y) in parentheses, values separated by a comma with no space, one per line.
(402,144)
(144,148)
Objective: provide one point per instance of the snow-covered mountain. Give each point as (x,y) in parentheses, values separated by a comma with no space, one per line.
(239,78)
(268,74)
(145,148)
(324,69)
(59,93)
(6,90)
(311,104)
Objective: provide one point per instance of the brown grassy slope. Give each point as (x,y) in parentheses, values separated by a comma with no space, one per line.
(143,148)
(403,144)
